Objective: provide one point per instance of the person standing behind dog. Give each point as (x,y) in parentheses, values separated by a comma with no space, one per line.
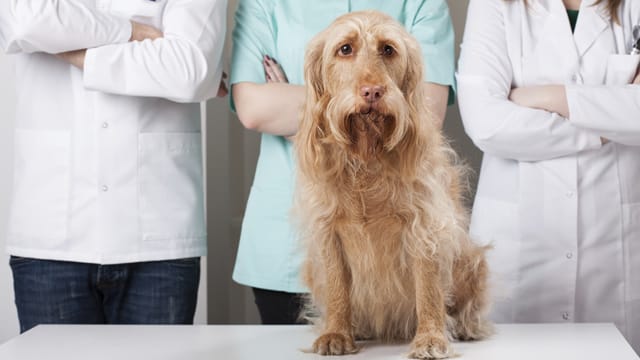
(269,256)
(107,220)
(547,100)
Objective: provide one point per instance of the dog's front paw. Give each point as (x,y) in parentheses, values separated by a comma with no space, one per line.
(335,344)
(430,346)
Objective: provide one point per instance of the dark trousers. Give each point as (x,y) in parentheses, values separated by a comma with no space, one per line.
(61,292)
(279,308)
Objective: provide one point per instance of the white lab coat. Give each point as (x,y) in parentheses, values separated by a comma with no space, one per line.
(561,209)
(108,162)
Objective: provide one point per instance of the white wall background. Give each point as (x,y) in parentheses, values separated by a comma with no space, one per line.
(8,319)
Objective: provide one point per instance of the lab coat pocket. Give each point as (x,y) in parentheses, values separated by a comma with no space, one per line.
(621,69)
(147,12)
(631,239)
(170,181)
(40,207)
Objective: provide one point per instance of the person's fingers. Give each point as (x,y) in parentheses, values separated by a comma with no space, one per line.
(274,70)
(277,70)
(270,72)
(222,89)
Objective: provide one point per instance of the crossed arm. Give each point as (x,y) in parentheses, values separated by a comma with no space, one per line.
(274,107)
(139,32)
(183,64)
(552,98)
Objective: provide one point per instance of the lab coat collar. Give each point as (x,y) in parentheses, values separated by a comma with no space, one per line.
(592,21)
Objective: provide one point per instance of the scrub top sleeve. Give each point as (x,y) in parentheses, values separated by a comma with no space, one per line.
(433,29)
(253,37)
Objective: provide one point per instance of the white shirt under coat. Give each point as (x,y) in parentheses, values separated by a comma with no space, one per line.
(108,161)
(561,209)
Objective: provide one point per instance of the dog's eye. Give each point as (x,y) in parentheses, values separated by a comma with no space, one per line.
(346,49)
(388,50)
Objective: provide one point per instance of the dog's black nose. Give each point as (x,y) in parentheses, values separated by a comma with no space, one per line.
(371,94)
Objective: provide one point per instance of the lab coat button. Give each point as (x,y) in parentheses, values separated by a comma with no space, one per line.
(105,125)
(569,194)
(565,316)
(105,188)
(569,255)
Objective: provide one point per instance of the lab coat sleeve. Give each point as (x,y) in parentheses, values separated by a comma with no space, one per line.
(613,112)
(55,26)
(496,125)
(184,66)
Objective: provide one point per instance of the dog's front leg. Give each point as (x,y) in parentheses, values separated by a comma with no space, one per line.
(337,338)
(430,341)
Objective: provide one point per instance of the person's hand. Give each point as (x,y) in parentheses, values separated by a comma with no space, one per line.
(141,32)
(636,81)
(75,57)
(273,71)
(222,88)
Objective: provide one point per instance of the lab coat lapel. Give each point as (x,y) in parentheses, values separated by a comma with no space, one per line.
(592,22)
(556,32)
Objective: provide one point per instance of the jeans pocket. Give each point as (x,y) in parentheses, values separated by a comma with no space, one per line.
(19,260)
(184,262)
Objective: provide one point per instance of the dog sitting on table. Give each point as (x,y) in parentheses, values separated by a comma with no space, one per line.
(379,199)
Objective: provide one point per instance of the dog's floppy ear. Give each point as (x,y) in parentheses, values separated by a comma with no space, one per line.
(415,73)
(313,68)
(311,130)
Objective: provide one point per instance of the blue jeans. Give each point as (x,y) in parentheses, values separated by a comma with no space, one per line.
(60,292)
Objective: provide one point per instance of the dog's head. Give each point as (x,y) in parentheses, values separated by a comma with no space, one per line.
(363,76)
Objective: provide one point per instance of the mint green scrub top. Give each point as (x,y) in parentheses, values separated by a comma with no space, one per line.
(269,255)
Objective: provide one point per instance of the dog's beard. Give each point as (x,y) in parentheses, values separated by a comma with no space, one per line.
(368,133)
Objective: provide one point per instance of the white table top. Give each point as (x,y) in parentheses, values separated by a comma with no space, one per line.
(231,342)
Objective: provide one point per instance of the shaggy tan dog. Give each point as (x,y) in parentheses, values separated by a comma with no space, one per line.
(379,198)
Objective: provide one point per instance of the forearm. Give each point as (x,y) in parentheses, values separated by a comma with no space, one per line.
(502,128)
(272,108)
(139,32)
(55,26)
(551,98)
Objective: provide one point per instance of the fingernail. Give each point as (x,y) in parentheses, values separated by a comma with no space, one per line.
(267,57)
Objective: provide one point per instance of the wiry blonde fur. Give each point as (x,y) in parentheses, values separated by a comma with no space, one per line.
(379,197)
